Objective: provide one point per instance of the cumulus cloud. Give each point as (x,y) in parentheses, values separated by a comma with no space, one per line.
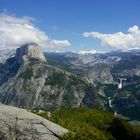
(118,40)
(58,43)
(15,31)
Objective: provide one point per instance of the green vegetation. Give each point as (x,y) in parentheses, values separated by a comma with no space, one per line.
(34,61)
(56,78)
(121,130)
(60,78)
(52,97)
(69,83)
(68,100)
(92,124)
(133,113)
(131,88)
(74,80)
(127,101)
(60,61)
(92,117)
(110,89)
(125,64)
(27,74)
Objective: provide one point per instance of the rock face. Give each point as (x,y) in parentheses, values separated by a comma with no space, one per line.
(101,73)
(70,79)
(8,70)
(29,51)
(38,85)
(19,124)
(104,71)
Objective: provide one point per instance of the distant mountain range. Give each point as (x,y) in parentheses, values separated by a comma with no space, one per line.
(51,80)
(5,54)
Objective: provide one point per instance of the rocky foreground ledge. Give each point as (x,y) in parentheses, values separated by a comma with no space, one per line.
(19,124)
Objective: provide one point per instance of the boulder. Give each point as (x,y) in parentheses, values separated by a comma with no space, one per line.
(19,124)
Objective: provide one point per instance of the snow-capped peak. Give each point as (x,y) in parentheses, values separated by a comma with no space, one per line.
(89,52)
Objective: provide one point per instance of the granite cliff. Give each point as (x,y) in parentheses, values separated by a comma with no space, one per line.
(37,85)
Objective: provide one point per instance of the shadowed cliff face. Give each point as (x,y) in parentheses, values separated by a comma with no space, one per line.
(8,70)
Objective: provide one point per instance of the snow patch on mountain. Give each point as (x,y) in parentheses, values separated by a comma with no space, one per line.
(90,52)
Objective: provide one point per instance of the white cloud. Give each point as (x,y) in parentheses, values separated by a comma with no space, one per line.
(15,31)
(58,43)
(118,40)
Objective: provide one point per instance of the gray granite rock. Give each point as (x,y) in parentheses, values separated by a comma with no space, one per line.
(29,51)
(19,124)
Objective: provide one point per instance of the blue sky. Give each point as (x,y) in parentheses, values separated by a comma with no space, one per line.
(69,19)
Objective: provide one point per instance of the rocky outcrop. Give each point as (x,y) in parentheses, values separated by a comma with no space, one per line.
(41,86)
(28,52)
(38,85)
(24,54)
(19,124)
(101,73)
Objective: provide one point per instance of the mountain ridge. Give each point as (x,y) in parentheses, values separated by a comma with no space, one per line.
(36,84)
(72,80)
